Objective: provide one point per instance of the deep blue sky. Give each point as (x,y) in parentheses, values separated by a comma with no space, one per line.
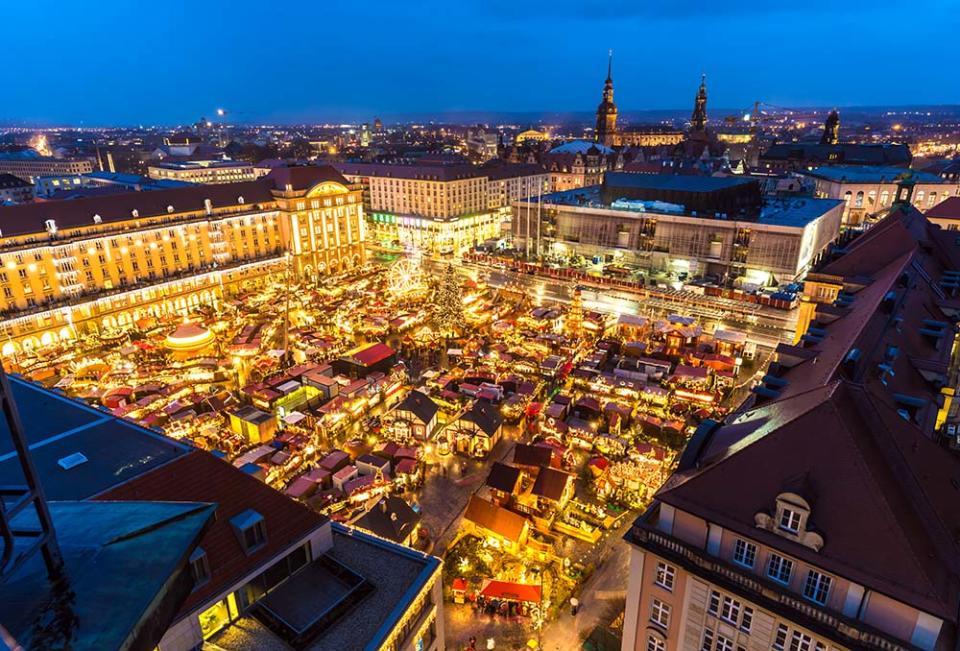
(114,62)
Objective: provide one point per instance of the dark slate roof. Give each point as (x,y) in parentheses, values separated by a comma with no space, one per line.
(8,181)
(455,172)
(503,477)
(390,518)
(485,416)
(421,405)
(531,455)
(31,218)
(843,153)
(551,483)
(683,183)
(303,177)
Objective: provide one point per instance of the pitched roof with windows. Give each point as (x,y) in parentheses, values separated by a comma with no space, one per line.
(420,405)
(201,477)
(884,496)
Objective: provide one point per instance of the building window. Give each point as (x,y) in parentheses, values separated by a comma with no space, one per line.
(714,606)
(800,642)
(660,613)
(730,611)
(779,568)
(746,622)
(744,553)
(817,587)
(780,639)
(665,575)
(707,643)
(250,530)
(199,567)
(655,644)
(790,520)
(724,643)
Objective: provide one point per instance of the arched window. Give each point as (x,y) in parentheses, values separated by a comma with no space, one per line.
(846,197)
(884,197)
(859,203)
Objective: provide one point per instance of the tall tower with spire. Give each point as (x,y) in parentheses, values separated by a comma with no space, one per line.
(607,111)
(831,129)
(698,121)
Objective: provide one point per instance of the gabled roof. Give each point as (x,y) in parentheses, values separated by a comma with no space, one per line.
(420,405)
(551,483)
(485,416)
(531,455)
(946,209)
(884,497)
(503,477)
(502,522)
(201,477)
(390,518)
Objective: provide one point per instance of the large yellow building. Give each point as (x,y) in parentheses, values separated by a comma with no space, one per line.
(81,266)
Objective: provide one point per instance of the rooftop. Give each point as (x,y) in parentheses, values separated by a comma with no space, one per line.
(870,174)
(124,565)
(789,212)
(105,450)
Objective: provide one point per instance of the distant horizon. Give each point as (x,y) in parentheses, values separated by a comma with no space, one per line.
(503,116)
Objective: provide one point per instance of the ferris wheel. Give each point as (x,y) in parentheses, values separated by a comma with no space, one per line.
(405,277)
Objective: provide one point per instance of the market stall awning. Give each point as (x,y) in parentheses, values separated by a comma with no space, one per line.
(511,591)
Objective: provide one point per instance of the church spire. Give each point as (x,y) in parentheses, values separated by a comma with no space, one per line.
(831,129)
(607,110)
(698,121)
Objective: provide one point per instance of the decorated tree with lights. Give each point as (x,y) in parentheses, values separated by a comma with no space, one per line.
(448,303)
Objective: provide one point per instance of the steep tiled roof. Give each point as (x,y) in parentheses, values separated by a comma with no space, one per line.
(201,477)
(30,218)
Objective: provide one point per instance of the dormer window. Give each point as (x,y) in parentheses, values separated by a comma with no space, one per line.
(240,200)
(97,219)
(51,226)
(135,212)
(169,209)
(250,529)
(790,520)
(199,567)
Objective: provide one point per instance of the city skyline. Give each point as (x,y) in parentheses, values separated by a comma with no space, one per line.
(185,63)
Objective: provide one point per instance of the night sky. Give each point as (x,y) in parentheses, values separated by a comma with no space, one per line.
(111,62)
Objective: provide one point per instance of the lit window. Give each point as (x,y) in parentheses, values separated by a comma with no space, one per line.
(655,644)
(817,587)
(779,568)
(660,613)
(250,529)
(790,520)
(744,553)
(665,575)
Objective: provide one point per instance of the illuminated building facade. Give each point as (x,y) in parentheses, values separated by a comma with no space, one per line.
(203,171)
(29,167)
(793,558)
(867,191)
(101,263)
(689,226)
(441,208)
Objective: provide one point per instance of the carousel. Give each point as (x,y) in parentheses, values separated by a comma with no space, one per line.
(188,339)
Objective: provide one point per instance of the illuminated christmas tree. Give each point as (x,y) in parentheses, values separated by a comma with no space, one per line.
(448,302)
(574,323)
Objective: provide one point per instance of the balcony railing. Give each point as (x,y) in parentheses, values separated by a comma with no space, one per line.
(764,593)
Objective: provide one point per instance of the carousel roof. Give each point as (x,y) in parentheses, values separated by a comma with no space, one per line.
(189,336)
